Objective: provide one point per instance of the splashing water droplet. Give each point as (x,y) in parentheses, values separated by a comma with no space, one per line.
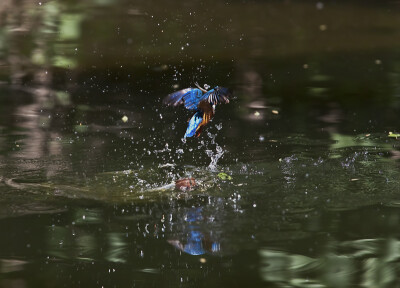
(215,157)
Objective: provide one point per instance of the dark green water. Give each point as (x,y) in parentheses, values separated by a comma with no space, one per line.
(310,193)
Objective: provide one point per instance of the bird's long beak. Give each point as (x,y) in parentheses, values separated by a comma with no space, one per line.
(198,86)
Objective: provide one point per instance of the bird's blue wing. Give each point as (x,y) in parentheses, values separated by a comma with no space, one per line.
(194,122)
(192,99)
(187,96)
(218,95)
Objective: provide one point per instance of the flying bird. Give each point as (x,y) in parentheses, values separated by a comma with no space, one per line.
(200,100)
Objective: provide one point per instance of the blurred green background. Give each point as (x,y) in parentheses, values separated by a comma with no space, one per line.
(297,177)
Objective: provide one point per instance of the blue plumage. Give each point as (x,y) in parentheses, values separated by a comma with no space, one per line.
(204,104)
(190,97)
(194,122)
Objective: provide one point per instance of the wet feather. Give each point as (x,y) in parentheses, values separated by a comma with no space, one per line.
(204,104)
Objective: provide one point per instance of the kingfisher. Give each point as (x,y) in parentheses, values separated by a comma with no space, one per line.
(200,100)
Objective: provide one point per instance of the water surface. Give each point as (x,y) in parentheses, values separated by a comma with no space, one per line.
(298,180)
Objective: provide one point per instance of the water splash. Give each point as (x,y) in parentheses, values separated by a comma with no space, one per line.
(219,152)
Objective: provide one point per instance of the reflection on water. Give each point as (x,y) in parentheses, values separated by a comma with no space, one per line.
(296,180)
(136,237)
(299,208)
(195,242)
(368,262)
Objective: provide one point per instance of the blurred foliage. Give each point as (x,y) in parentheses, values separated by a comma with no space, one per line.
(321,54)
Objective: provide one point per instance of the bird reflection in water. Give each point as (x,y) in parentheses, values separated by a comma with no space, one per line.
(197,242)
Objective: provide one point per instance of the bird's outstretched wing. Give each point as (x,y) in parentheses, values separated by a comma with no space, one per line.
(208,114)
(218,95)
(190,97)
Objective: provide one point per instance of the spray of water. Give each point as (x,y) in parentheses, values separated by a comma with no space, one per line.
(219,151)
(215,156)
